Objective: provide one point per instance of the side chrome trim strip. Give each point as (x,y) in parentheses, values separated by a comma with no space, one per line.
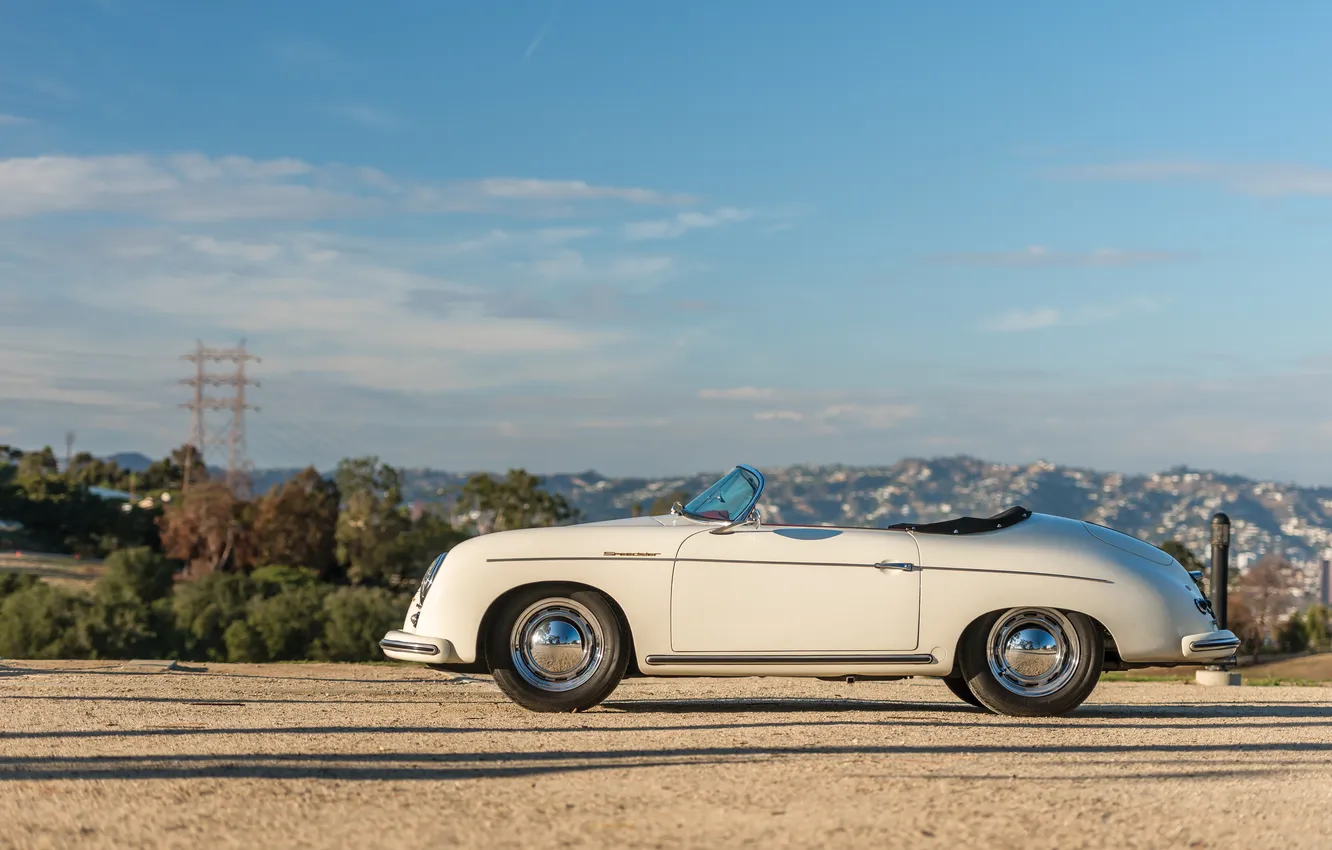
(1214,643)
(404,646)
(1019,573)
(803,564)
(790,659)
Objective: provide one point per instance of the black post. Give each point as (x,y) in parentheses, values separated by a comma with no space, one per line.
(1220,566)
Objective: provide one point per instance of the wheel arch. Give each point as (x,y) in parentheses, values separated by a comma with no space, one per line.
(497,605)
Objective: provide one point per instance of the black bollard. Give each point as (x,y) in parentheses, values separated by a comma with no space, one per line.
(1220,566)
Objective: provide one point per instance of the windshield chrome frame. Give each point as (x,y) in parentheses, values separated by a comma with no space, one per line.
(742,516)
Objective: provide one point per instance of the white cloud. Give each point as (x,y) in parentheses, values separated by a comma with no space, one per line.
(737,393)
(7,120)
(1039,256)
(1024,320)
(188,187)
(779,416)
(678,225)
(514,188)
(197,187)
(872,416)
(249,251)
(1038,318)
(1263,179)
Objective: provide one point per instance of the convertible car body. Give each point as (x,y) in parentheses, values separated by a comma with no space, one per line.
(1018,613)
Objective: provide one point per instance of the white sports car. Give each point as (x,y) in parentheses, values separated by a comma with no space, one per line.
(1018,613)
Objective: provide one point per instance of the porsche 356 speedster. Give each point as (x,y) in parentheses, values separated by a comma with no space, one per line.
(1018,613)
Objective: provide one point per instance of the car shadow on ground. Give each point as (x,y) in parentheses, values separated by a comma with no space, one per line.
(1144,761)
(1293,709)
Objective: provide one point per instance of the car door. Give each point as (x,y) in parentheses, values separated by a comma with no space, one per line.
(775,589)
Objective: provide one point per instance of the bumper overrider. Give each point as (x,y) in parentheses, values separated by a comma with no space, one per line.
(405,646)
(1210,646)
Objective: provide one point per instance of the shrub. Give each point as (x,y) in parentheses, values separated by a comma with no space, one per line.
(287,623)
(355,618)
(14,582)
(205,609)
(42,621)
(1294,635)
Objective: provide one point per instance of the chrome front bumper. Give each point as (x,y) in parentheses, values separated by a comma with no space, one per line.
(1210,646)
(405,646)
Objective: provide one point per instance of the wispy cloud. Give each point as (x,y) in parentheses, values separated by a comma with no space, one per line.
(1039,318)
(8,120)
(1040,256)
(737,393)
(195,187)
(535,43)
(1261,179)
(682,223)
(511,188)
(365,115)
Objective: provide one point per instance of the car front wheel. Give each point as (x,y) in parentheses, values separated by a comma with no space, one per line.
(557,648)
(1032,662)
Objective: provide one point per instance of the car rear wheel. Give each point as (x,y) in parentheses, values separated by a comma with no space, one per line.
(958,686)
(557,648)
(1032,662)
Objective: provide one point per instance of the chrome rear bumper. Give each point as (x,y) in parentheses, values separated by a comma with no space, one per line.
(1210,646)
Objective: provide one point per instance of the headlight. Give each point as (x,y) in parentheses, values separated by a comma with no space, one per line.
(429,577)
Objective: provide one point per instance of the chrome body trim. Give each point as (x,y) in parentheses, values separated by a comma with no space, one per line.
(409,646)
(913,658)
(892,565)
(1214,643)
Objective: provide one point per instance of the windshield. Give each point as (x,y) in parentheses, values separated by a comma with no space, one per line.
(729,499)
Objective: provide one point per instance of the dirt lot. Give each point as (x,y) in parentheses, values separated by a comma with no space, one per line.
(98,754)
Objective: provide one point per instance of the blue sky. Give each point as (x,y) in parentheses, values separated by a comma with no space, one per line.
(670,237)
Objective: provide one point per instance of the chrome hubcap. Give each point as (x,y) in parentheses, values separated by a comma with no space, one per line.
(556,645)
(1033,652)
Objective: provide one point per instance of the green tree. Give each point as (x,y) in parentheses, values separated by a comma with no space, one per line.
(287,624)
(371,521)
(42,621)
(296,523)
(130,614)
(1317,625)
(430,534)
(1294,635)
(205,608)
(355,618)
(515,501)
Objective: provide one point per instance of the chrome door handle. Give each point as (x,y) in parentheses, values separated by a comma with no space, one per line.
(904,566)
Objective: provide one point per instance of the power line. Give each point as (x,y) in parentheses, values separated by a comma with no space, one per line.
(238,464)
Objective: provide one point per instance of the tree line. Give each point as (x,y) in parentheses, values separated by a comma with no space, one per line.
(318,567)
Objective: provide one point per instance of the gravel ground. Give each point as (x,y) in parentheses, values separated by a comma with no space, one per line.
(223,755)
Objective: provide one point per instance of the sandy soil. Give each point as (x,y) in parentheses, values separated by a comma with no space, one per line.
(98,754)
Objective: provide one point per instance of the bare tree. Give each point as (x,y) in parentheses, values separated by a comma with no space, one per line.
(1264,594)
(207,529)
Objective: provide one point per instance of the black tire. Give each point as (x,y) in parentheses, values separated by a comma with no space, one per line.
(958,686)
(557,648)
(1010,668)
